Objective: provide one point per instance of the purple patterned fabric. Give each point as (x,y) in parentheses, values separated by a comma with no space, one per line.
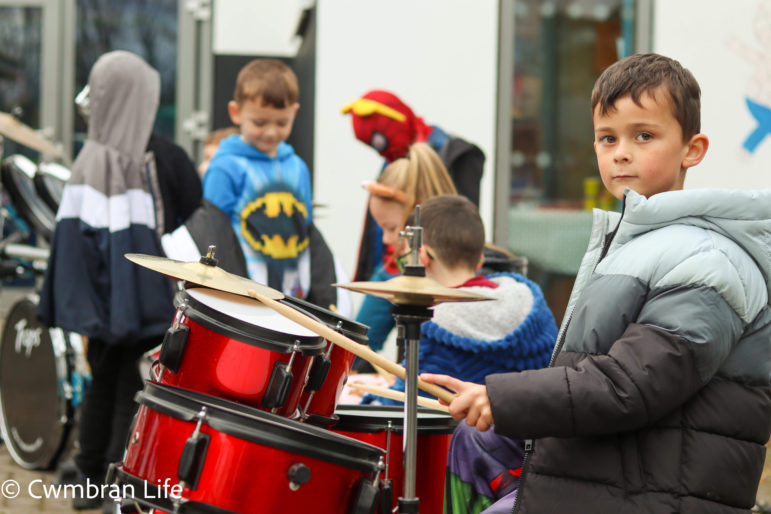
(482,472)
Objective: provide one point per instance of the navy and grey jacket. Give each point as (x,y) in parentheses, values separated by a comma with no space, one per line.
(659,395)
(110,206)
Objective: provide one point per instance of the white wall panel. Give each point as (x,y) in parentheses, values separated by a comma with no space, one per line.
(727,46)
(439,56)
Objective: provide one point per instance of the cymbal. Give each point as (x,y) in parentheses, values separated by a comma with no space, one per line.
(203,275)
(409,290)
(12,128)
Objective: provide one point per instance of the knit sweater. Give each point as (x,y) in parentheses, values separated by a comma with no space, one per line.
(470,340)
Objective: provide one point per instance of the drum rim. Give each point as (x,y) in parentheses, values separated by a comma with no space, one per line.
(243,331)
(348,327)
(43,190)
(66,410)
(274,431)
(33,209)
(437,423)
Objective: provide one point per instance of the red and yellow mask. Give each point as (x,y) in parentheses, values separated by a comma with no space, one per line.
(381,120)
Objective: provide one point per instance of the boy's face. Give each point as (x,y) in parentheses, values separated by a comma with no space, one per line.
(641,146)
(263,126)
(390,216)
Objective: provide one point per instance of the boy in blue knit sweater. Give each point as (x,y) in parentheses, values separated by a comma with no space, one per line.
(469,340)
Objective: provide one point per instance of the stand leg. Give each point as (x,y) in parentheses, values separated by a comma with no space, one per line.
(411,418)
(408,330)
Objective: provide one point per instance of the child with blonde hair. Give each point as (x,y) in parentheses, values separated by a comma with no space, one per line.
(403,184)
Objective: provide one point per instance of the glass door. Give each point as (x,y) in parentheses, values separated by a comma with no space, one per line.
(551,53)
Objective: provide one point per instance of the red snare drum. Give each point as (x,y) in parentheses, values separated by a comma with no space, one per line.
(383,426)
(206,454)
(329,371)
(233,347)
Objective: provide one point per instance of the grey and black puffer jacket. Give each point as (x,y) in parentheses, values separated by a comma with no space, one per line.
(658,399)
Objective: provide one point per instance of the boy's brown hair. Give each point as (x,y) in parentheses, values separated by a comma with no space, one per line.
(644,73)
(453,229)
(269,79)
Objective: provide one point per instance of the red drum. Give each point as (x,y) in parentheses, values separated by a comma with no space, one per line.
(193,453)
(231,346)
(383,426)
(330,371)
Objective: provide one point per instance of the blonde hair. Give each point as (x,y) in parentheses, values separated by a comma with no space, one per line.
(419,175)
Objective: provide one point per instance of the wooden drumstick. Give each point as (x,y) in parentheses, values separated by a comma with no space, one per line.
(349,344)
(380,371)
(397,395)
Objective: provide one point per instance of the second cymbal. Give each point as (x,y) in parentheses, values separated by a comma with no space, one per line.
(411,290)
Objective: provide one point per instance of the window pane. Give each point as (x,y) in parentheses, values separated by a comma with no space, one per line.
(560,49)
(20,57)
(147,28)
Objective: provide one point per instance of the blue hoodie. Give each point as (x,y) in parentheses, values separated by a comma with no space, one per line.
(268,201)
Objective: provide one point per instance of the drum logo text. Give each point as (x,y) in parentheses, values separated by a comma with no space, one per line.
(26,338)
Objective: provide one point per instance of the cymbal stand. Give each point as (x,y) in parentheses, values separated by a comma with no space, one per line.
(408,320)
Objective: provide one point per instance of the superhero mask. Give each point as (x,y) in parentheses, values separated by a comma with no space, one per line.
(381,120)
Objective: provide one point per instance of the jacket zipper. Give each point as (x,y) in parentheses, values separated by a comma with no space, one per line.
(530,443)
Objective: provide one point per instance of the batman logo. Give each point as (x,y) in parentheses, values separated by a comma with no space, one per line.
(276,225)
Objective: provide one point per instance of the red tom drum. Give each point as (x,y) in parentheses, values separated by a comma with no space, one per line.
(234,347)
(383,426)
(193,453)
(330,370)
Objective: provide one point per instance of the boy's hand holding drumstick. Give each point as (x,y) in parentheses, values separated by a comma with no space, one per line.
(470,401)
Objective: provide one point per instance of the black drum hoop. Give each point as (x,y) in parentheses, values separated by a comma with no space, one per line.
(16,173)
(348,327)
(261,427)
(360,418)
(244,332)
(45,178)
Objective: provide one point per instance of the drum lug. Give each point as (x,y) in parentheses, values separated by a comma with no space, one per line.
(386,486)
(386,495)
(192,459)
(278,386)
(365,501)
(298,474)
(173,347)
(318,374)
(193,455)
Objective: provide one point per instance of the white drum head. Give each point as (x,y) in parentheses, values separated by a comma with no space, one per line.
(248,310)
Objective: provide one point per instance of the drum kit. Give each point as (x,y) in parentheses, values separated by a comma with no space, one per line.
(43,372)
(241,412)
